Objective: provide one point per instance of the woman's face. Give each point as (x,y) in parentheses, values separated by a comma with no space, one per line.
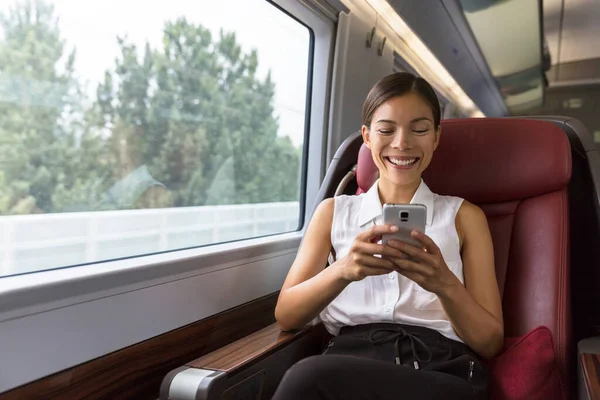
(402,138)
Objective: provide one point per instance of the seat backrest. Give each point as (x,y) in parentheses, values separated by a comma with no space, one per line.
(518,172)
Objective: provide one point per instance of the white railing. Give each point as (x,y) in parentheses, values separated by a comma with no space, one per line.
(45,241)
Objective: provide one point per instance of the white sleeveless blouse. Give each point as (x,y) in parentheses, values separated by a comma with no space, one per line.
(392,297)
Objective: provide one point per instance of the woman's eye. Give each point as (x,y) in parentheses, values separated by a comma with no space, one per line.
(420,132)
(385,131)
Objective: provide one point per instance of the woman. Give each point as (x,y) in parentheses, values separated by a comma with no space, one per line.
(403,329)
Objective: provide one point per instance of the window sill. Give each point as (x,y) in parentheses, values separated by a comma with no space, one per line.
(36,292)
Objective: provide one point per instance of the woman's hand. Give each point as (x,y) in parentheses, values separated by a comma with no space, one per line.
(426,266)
(361,261)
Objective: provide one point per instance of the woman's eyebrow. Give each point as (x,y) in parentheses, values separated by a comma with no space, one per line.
(389,121)
(420,119)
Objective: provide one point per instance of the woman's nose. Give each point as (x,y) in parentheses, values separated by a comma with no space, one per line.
(402,140)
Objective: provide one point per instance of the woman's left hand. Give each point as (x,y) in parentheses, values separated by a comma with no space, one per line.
(426,265)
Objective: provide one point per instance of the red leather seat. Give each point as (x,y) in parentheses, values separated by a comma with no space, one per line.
(366,171)
(518,172)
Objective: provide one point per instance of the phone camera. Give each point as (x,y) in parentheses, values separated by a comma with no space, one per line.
(404,216)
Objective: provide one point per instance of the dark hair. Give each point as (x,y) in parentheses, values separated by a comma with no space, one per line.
(398,84)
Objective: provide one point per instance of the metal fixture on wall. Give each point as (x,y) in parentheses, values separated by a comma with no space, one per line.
(370,36)
(381,46)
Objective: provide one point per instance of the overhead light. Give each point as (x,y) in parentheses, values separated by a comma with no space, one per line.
(423,60)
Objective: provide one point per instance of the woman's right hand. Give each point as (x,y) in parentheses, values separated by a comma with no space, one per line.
(361,261)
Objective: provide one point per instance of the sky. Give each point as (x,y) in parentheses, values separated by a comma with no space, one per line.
(91,26)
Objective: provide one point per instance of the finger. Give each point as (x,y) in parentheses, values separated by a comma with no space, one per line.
(401,256)
(373,248)
(411,267)
(413,276)
(375,231)
(426,241)
(373,271)
(375,262)
(414,252)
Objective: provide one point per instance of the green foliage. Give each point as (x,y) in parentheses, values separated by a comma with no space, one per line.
(189,123)
(37,99)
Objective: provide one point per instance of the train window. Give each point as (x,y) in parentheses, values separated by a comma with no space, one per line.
(120,139)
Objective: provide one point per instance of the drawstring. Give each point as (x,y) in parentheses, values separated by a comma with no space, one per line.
(397,335)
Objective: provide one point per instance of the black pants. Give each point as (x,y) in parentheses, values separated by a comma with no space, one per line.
(387,361)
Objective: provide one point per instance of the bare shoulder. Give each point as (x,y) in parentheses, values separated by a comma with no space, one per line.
(469,211)
(319,227)
(318,232)
(324,212)
(470,220)
(315,247)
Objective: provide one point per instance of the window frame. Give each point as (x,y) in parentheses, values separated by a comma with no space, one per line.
(54,319)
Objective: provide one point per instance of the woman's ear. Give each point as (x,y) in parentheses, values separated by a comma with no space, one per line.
(366,135)
(438,133)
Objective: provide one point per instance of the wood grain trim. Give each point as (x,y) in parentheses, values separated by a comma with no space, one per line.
(249,349)
(590,364)
(136,372)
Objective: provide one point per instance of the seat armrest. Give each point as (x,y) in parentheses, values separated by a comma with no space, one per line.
(589,368)
(250,367)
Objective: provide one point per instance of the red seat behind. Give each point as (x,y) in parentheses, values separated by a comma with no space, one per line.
(517,171)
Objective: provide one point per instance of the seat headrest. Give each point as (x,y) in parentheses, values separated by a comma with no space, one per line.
(366,170)
(490,160)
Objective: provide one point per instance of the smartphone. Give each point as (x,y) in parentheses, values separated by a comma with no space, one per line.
(406,217)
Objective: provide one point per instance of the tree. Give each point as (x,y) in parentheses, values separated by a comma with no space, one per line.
(39,108)
(197,115)
(188,123)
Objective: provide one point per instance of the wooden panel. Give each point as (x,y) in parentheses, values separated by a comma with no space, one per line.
(590,364)
(137,371)
(248,349)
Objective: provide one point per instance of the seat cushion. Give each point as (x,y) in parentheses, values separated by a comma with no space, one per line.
(526,369)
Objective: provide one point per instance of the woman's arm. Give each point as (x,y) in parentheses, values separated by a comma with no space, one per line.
(310,287)
(475,309)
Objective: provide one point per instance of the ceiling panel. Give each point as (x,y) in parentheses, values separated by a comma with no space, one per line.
(581,30)
(508,33)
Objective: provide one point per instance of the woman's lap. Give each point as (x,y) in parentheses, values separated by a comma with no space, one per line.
(333,377)
(387,361)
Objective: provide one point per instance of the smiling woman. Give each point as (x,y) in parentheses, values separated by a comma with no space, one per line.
(177,189)
(373,296)
(401,125)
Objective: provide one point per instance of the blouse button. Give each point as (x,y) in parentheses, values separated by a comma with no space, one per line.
(387,309)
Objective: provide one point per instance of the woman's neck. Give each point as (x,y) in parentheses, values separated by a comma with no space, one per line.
(398,194)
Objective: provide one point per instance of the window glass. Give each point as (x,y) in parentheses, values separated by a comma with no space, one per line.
(130,127)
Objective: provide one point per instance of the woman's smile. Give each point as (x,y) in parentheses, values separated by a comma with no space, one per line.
(402,162)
